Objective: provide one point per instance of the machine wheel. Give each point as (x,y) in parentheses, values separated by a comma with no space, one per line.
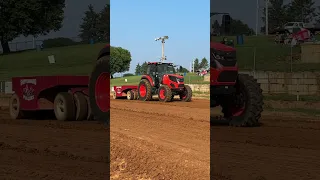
(64,107)
(114,95)
(172,97)
(135,94)
(187,94)
(130,95)
(14,105)
(99,90)
(144,90)
(90,115)
(165,93)
(81,106)
(244,108)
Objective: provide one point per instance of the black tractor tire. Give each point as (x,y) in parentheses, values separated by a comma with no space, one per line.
(130,95)
(14,107)
(81,104)
(101,73)
(253,98)
(64,107)
(148,95)
(186,96)
(164,93)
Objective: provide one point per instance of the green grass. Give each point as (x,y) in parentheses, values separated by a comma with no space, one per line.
(269,56)
(70,60)
(134,80)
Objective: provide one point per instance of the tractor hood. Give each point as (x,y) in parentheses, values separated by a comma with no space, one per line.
(221,47)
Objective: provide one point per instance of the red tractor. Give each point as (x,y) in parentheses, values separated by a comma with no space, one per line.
(239,95)
(161,79)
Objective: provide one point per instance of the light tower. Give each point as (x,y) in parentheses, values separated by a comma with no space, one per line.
(163,39)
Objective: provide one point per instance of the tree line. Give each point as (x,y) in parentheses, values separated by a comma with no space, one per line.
(280,13)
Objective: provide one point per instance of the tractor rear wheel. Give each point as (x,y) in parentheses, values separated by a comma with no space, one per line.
(165,94)
(14,107)
(245,106)
(81,106)
(186,95)
(64,107)
(144,90)
(99,90)
(130,95)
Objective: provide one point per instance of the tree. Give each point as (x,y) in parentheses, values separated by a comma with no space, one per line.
(318,16)
(183,70)
(196,64)
(277,15)
(88,28)
(28,17)
(238,27)
(138,69)
(144,68)
(103,24)
(119,60)
(302,10)
(204,63)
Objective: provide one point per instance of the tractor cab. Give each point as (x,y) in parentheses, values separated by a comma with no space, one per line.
(163,73)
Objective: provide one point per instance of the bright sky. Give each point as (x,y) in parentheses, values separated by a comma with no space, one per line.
(136,24)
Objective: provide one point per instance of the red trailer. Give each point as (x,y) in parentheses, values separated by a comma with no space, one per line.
(128,91)
(66,96)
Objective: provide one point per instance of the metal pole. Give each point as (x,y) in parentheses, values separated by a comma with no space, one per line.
(257,17)
(163,58)
(267,17)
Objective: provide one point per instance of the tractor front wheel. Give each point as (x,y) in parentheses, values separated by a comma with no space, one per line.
(186,95)
(165,94)
(245,106)
(144,90)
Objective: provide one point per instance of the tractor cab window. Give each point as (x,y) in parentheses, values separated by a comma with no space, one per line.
(166,69)
(151,68)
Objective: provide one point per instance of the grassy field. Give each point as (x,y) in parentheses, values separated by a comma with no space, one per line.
(71,60)
(268,55)
(134,80)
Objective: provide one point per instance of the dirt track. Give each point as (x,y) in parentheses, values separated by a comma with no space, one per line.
(159,141)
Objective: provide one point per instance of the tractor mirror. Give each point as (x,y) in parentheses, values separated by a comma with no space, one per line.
(226,24)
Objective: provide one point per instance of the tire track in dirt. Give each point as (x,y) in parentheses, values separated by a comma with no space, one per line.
(160,141)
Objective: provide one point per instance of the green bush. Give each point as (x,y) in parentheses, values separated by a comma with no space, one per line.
(128,74)
(58,42)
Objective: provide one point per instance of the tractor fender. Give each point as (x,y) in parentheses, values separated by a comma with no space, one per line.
(148,78)
(104,52)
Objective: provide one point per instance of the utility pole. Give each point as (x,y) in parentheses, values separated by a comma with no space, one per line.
(163,39)
(267,17)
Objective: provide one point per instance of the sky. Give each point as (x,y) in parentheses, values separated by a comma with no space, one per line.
(136,24)
(244,10)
